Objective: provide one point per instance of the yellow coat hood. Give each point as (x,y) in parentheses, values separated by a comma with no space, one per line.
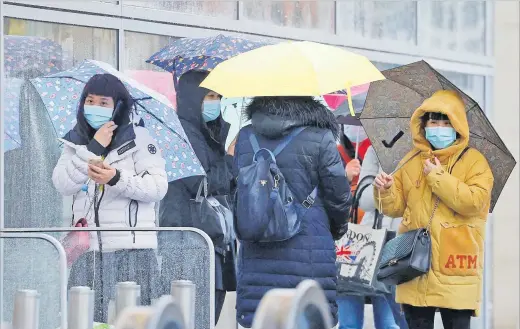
(449,103)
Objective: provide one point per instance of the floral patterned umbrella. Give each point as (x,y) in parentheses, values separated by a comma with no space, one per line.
(12,138)
(201,54)
(26,52)
(61,93)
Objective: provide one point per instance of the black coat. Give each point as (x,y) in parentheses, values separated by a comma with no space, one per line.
(207,140)
(311,159)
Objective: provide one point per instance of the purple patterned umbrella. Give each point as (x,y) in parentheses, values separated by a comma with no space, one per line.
(201,54)
(11,104)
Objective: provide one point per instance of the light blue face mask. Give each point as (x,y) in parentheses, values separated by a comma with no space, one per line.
(440,137)
(97,116)
(211,110)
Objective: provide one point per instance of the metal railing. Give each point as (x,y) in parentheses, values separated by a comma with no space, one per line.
(196,261)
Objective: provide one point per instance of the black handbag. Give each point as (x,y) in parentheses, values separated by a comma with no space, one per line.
(211,216)
(408,255)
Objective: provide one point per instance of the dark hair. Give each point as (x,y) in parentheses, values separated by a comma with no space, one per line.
(433,116)
(109,86)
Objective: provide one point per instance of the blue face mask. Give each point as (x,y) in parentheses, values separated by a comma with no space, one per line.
(211,110)
(440,137)
(96,115)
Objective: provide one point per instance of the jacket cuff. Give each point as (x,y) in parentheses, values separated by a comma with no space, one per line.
(95,147)
(115,179)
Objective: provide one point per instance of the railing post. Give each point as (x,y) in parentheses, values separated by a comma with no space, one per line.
(26,313)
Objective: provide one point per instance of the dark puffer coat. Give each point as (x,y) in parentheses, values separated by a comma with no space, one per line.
(310,160)
(207,140)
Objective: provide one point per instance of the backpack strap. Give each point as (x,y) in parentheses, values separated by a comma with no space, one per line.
(295,132)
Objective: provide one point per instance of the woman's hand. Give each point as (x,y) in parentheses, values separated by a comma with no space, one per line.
(429,166)
(352,169)
(105,133)
(231,148)
(383,181)
(101,175)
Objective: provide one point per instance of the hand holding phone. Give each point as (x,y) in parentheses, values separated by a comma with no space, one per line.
(96,162)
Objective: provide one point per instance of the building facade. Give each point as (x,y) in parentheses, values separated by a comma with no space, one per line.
(470,42)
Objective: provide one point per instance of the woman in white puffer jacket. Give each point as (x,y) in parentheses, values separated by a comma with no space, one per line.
(118,191)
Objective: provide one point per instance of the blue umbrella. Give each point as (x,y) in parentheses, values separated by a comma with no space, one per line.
(12,138)
(23,53)
(201,54)
(26,52)
(61,93)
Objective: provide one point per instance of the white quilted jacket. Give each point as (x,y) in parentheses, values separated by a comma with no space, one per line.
(129,203)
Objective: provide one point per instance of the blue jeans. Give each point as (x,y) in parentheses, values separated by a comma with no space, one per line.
(351,312)
(396,310)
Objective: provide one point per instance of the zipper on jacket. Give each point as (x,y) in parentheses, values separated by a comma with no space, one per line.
(136,211)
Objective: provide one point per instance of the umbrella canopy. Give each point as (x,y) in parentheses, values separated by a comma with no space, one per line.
(335,100)
(390,104)
(25,52)
(200,54)
(61,93)
(292,69)
(12,139)
(161,82)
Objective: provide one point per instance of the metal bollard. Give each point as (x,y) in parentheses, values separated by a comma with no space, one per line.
(26,311)
(184,293)
(128,294)
(81,308)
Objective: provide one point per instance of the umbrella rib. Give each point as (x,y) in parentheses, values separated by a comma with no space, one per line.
(13,139)
(159,120)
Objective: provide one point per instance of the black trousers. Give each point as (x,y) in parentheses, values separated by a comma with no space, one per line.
(423,317)
(220,297)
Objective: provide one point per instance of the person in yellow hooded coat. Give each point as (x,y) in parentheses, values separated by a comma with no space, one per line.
(441,170)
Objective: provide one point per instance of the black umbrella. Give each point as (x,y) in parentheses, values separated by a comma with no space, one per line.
(391,102)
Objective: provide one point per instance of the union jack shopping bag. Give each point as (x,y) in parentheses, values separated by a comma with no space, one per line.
(357,258)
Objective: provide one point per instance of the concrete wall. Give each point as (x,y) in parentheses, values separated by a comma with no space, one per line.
(505,119)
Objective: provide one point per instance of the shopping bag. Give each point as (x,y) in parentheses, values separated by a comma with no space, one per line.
(357,256)
(76,243)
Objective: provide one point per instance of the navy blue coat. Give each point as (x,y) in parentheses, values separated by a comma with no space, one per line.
(310,160)
(207,140)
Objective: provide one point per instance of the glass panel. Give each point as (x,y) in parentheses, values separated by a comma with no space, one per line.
(379,20)
(177,255)
(318,15)
(228,9)
(454,25)
(34,49)
(140,46)
(32,264)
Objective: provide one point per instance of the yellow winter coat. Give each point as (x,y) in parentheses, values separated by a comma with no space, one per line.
(458,226)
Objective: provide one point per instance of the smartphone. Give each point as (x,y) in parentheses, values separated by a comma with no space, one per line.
(119,105)
(96,162)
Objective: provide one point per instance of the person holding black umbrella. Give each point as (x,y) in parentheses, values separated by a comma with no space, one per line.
(444,186)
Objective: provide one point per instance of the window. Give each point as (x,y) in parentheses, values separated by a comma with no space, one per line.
(379,20)
(459,26)
(34,49)
(301,14)
(228,9)
(140,46)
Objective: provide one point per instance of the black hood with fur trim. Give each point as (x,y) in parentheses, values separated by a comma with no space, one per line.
(274,117)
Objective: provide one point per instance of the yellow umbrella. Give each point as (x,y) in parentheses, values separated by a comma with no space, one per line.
(292,69)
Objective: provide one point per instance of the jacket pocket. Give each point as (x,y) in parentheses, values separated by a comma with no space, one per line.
(460,248)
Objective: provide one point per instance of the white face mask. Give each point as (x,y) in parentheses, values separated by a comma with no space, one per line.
(352,133)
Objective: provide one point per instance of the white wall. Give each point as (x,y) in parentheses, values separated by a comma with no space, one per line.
(505,119)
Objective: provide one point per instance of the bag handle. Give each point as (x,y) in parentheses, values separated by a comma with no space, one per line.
(202,194)
(256,146)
